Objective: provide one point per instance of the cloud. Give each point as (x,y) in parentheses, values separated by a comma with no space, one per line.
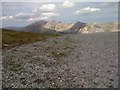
(87,10)
(50,14)
(6,17)
(68,4)
(44,16)
(46,8)
(24,16)
(19,16)
(46,11)
(38,18)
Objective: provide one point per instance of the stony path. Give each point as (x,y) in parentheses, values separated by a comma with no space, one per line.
(84,61)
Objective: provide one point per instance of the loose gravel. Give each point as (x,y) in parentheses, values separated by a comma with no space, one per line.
(68,61)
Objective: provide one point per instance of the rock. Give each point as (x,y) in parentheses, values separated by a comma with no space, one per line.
(6,45)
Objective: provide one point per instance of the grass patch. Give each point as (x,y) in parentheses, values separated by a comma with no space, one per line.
(12,38)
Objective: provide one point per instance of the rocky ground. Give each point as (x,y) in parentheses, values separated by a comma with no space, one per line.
(71,60)
(0,69)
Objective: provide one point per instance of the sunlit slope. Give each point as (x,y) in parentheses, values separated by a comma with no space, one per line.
(12,38)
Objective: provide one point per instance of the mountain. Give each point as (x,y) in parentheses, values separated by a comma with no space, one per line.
(109,26)
(13,28)
(77,27)
(58,26)
(38,27)
(100,27)
(91,28)
(35,27)
(54,26)
(65,27)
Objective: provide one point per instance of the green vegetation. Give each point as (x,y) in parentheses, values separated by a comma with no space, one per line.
(12,38)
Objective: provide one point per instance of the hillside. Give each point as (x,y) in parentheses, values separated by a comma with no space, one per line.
(68,61)
(11,38)
(35,26)
(13,28)
(43,60)
(38,27)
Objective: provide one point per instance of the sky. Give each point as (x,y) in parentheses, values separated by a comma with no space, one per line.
(19,14)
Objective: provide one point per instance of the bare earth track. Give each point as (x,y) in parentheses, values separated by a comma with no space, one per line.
(71,60)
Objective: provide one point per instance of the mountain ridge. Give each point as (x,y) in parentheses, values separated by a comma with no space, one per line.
(72,28)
